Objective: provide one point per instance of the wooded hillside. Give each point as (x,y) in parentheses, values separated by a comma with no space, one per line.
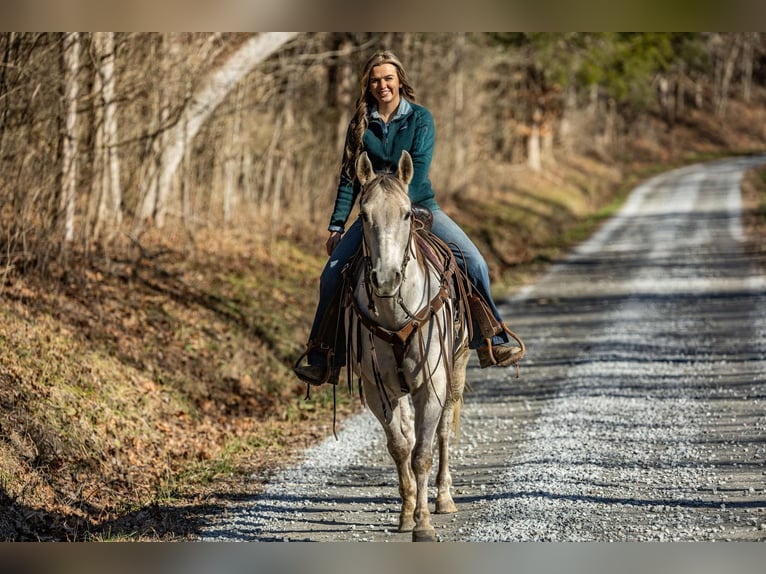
(164,207)
(106,136)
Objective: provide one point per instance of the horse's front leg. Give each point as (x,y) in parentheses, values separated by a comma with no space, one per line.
(400,439)
(428,409)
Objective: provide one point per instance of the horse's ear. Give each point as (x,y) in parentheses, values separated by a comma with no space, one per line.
(405,168)
(364,171)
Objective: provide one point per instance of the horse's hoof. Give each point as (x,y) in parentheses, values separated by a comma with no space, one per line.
(426,535)
(445,507)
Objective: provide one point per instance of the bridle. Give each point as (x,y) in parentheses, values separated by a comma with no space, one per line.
(397,294)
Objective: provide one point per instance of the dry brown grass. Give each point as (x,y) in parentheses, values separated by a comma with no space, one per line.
(126,384)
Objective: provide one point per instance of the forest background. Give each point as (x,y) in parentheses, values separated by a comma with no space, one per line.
(164,206)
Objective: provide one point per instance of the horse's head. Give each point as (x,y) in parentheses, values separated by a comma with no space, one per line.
(386,214)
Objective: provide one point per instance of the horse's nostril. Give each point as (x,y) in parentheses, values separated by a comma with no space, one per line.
(385,284)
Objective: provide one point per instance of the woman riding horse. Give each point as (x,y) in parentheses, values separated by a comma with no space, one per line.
(387,122)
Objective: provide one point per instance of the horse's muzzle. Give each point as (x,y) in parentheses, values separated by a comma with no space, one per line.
(386,284)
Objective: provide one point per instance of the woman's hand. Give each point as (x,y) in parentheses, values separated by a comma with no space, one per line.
(332,241)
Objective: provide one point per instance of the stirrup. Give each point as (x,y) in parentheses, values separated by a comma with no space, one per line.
(331,374)
(490,353)
(312,374)
(518,340)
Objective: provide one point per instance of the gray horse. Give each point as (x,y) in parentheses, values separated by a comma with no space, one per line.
(407,343)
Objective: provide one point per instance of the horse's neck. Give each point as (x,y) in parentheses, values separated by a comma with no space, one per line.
(420,285)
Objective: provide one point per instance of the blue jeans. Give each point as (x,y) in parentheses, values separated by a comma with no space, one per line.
(466,253)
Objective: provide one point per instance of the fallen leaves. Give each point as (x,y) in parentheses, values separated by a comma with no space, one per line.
(150,382)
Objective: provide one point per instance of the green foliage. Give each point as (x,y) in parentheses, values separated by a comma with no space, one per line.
(623,64)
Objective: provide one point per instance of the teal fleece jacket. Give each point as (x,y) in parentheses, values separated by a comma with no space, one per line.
(411,129)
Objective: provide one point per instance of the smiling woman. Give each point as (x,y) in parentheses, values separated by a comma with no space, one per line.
(388,122)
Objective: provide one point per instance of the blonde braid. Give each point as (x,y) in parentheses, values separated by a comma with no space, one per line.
(354,144)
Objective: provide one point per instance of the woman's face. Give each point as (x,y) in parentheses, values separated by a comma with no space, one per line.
(384,84)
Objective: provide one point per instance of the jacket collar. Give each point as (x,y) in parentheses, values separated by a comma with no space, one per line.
(404,108)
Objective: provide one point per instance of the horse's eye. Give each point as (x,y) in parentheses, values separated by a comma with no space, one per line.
(407,216)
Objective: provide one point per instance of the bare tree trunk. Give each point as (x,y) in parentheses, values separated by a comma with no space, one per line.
(533,142)
(667,103)
(679,104)
(611,121)
(340,85)
(724,74)
(458,109)
(749,42)
(276,199)
(109,212)
(171,57)
(268,187)
(593,100)
(97,200)
(546,137)
(232,163)
(204,101)
(110,134)
(565,125)
(10,41)
(247,171)
(285,159)
(699,99)
(71,59)
(188,213)
(151,168)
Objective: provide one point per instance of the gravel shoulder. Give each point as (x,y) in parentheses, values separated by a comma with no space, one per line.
(639,414)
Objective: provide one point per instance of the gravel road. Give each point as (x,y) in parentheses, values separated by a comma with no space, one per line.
(640,413)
